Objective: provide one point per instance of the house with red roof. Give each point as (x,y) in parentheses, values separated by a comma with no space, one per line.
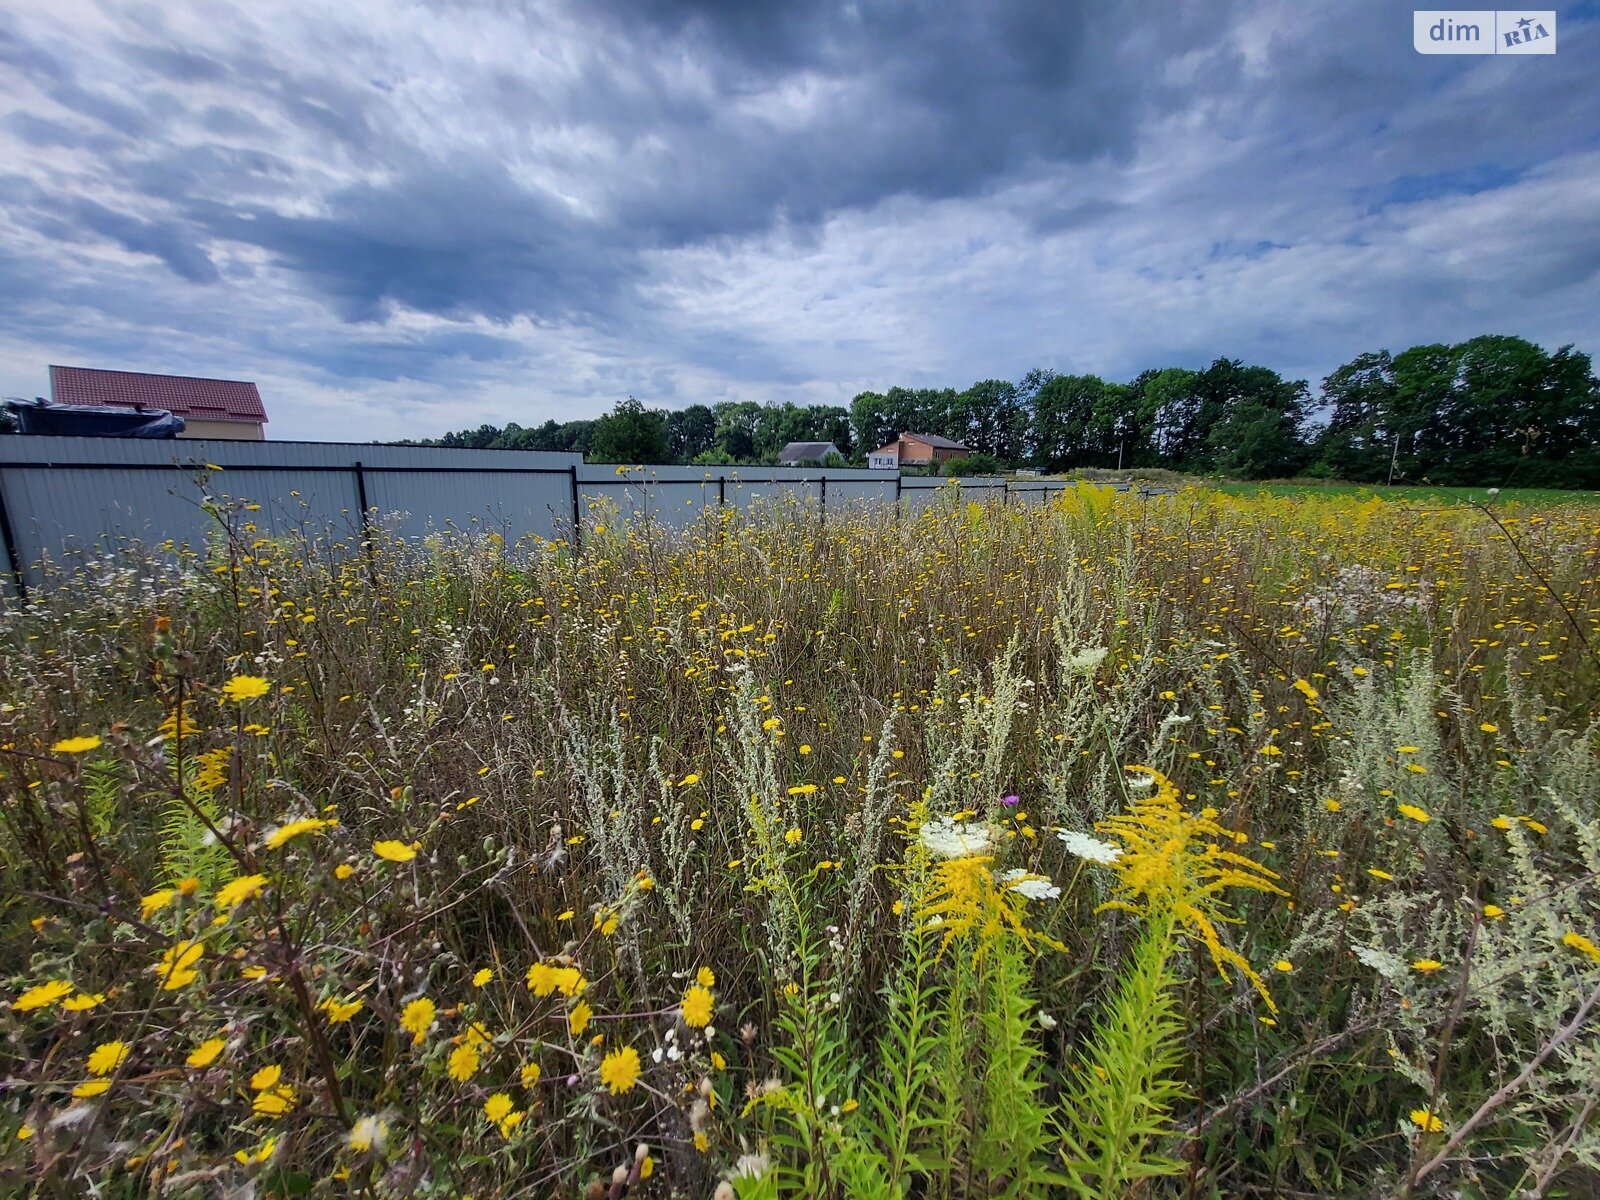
(915,450)
(211,408)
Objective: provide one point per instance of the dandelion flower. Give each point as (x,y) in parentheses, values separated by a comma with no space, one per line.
(1582,945)
(498,1107)
(1426,1121)
(293,829)
(1414,813)
(150,905)
(94,1087)
(245,687)
(266,1077)
(619,1070)
(44,995)
(464,1063)
(578,1019)
(340,1011)
(77,745)
(1426,966)
(394,851)
(697,1007)
(206,1052)
(705,977)
(107,1057)
(279,1102)
(1493,912)
(83,1001)
(230,895)
(417,1018)
(259,1155)
(176,968)
(1284,965)
(482,976)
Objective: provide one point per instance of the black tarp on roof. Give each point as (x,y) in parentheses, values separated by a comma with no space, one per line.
(39,417)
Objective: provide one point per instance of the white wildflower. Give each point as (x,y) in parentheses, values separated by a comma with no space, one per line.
(1088,847)
(945,838)
(751,1166)
(1086,662)
(1034,887)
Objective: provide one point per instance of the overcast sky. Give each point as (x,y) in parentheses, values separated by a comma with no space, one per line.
(407,216)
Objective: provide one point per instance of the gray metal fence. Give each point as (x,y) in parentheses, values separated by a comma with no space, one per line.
(66,496)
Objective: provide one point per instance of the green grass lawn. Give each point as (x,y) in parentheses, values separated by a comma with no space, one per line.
(1449,495)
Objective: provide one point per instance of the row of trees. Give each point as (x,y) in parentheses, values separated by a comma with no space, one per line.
(1487,411)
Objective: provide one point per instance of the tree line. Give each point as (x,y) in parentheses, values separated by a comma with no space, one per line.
(1492,410)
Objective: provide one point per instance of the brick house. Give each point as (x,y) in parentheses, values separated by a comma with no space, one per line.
(915,450)
(211,408)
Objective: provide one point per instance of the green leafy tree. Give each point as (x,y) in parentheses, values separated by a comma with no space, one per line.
(690,431)
(630,433)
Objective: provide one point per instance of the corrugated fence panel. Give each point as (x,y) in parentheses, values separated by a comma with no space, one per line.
(66,496)
(413,503)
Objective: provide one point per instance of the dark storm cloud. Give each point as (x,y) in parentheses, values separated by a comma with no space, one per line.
(455,240)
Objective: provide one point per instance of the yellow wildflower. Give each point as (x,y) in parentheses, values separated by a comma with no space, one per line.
(259,1155)
(44,995)
(1426,1121)
(206,1052)
(339,1011)
(619,1070)
(107,1057)
(150,905)
(245,687)
(83,1001)
(94,1087)
(293,829)
(394,851)
(230,895)
(1414,813)
(266,1077)
(176,968)
(76,745)
(578,1019)
(1171,865)
(482,976)
(1426,966)
(278,1102)
(464,1063)
(1582,945)
(417,1018)
(705,977)
(697,1006)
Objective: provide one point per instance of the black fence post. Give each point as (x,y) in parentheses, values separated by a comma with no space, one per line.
(577,518)
(361,498)
(822,503)
(8,537)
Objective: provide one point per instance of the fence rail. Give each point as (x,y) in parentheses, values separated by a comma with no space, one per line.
(60,495)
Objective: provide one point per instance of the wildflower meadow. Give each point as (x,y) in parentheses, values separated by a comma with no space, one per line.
(1205,845)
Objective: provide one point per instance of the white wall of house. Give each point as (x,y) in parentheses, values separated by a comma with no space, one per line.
(236,431)
(884,462)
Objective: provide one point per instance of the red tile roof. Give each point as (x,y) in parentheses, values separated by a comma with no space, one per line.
(200,399)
